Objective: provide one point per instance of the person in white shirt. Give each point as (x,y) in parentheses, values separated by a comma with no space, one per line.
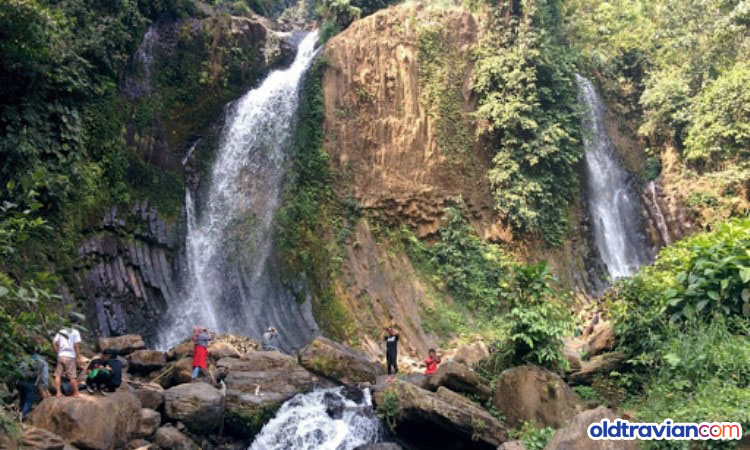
(68,348)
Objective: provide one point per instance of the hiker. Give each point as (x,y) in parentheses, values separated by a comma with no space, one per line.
(270,340)
(67,346)
(201,338)
(390,335)
(34,378)
(431,362)
(104,373)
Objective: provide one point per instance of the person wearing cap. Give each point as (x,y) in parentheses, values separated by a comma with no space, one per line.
(270,341)
(67,345)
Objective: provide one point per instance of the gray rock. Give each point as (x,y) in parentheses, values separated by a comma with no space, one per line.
(458,377)
(145,361)
(123,345)
(338,361)
(575,435)
(151,395)
(170,438)
(198,405)
(150,421)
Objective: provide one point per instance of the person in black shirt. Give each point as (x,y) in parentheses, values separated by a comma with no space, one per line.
(104,373)
(390,335)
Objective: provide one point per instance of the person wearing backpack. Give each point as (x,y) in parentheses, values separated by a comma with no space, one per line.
(34,376)
(68,348)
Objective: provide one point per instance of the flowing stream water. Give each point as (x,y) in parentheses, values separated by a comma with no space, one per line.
(613,202)
(321,420)
(231,285)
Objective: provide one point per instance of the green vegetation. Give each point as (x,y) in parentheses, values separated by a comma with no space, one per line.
(388,408)
(247,424)
(533,438)
(523,76)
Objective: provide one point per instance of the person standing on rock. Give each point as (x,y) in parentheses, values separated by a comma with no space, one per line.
(67,345)
(390,335)
(201,338)
(270,340)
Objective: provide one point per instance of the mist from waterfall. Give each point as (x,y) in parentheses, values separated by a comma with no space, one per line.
(613,202)
(230,285)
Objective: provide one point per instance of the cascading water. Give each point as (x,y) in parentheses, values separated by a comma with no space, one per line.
(612,200)
(231,287)
(320,420)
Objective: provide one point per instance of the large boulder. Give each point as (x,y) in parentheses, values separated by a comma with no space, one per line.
(598,365)
(91,422)
(123,345)
(513,445)
(145,361)
(219,350)
(34,438)
(471,354)
(438,420)
(573,350)
(257,385)
(198,405)
(601,339)
(338,361)
(170,438)
(150,421)
(575,435)
(151,395)
(530,393)
(458,377)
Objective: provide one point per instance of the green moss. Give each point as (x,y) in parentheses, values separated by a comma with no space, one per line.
(247,424)
(323,365)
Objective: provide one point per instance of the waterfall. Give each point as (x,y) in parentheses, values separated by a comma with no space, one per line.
(320,420)
(612,199)
(660,221)
(231,285)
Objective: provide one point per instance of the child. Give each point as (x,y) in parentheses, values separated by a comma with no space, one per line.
(431,362)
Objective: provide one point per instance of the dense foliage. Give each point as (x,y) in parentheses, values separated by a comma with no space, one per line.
(527,99)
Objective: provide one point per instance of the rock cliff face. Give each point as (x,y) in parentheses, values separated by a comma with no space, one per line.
(382,130)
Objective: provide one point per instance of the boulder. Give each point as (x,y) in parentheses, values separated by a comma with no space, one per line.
(513,445)
(124,345)
(530,393)
(150,421)
(170,438)
(573,350)
(601,339)
(182,350)
(338,361)
(91,422)
(199,406)
(459,378)
(34,438)
(379,446)
(442,420)
(575,435)
(334,405)
(177,372)
(353,393)
(601,364)
(145,361)
(471,354)
(219,350)
(257,385)
(151,395)
(140,444)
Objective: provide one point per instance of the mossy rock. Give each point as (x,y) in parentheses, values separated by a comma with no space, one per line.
(247,424)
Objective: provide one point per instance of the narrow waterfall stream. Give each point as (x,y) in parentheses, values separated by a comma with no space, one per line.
(613,202)
(321,420)
(231,285)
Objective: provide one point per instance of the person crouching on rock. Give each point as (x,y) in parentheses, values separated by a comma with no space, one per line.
(270,340)
(431,362)
(104,373)
(201,338)
(68,348)
(390,335)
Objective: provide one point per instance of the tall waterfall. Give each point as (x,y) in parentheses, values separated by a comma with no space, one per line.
(231,286)
(612,200)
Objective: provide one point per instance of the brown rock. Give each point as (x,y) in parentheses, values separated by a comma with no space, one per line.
(259,361)
(334,360)
(512,445)
(122,344)
(530,393)
(602,364)
(459,378)
(575,436)
(219,350)
(183,350)
(150,421)
(198,405)
(471,354)
(151,395)
(99,423)
(453,421)
(602,339)
(170,438)
(573,349)
(34,438)
(145,361)
(140,444)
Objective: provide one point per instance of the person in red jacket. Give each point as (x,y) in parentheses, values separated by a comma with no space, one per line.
(431,362)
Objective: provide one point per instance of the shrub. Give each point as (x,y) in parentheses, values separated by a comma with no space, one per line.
(533,438)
